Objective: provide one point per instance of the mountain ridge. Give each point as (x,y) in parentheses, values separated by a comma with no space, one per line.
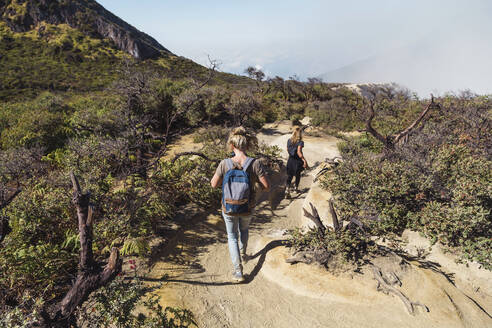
(86,15)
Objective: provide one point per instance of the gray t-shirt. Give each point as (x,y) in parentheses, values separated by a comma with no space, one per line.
(255,171)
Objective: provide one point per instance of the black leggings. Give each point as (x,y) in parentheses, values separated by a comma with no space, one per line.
(298,179)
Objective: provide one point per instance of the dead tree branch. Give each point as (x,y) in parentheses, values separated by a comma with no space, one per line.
(405,132)
(390,141)
(91,275)
(332,162)
(320,256)
(321,173)
(173,115)
(334,216)
(369,127)
(213,65)
(387,287)
(358,223)
(301,257)
(193,153)
(315,218)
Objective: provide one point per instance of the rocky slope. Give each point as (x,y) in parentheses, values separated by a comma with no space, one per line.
(86,15)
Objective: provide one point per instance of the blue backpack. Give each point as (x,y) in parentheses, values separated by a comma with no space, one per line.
(236,189)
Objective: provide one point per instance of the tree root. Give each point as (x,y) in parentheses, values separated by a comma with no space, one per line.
(301,257)
(318,256)
(387,287)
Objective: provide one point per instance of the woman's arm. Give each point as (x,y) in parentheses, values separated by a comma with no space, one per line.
(264,183)
(216,181)
(301,156)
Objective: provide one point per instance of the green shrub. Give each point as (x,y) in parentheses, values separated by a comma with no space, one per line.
(346,247)
(461,215)
(127,303)
(35,256)
(334,113)
(437,183)
(40,122)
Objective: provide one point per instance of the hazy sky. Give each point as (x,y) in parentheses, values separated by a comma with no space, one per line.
(313,37)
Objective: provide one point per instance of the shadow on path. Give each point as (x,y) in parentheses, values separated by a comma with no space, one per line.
(262,256)
(248,277)
(271,132)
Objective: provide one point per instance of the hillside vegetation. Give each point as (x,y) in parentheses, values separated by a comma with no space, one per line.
(60,58)
(75,102)
(435,180)
(438,182)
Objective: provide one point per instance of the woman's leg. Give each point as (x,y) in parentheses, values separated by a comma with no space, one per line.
(232,225)
(244,222)
(288,181)
(298,179)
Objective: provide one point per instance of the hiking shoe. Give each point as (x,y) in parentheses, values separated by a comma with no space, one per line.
(238,277)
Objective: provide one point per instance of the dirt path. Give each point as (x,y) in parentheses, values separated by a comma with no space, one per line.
(196,269)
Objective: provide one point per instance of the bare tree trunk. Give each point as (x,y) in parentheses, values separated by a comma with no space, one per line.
(373,131)
(91,275)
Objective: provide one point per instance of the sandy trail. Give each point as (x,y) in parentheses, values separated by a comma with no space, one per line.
(196,271)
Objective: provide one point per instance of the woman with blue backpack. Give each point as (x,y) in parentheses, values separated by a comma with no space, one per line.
(238,177)
(296,162)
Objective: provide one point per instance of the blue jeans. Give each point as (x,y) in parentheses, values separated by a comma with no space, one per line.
(237,237)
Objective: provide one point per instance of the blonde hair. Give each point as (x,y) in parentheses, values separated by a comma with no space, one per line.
(242,139)
(296,135)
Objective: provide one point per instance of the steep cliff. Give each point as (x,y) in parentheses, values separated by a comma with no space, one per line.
(86,15)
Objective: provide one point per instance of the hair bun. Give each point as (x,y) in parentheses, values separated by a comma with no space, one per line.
(239,131)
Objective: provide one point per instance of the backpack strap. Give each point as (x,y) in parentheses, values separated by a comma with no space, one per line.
(229,164)
(247,163)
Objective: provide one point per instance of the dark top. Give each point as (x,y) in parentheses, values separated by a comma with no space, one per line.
(292,148)
(294,164)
